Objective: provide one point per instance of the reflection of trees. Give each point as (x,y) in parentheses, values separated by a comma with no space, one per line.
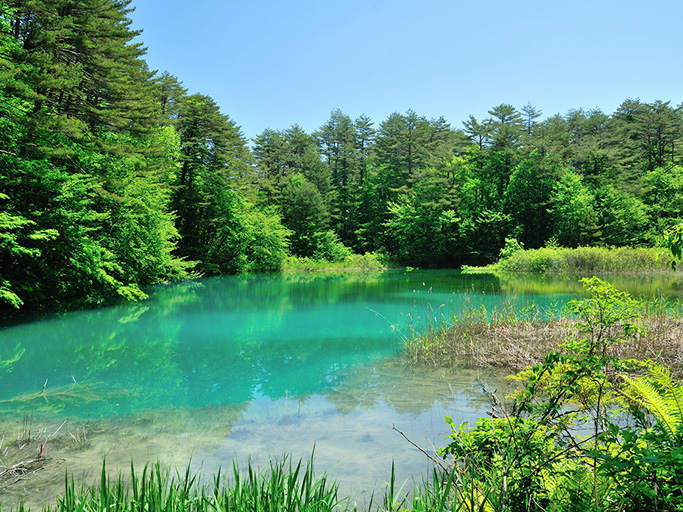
(226,340)
(646,285)
(275,368)
(9,356)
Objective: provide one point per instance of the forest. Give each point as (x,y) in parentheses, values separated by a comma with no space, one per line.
(113,177)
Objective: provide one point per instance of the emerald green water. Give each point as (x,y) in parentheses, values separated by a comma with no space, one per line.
(252,366)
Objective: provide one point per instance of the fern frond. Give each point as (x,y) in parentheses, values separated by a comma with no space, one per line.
(660,396)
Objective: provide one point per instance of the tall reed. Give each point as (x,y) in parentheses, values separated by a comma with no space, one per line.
(512,335)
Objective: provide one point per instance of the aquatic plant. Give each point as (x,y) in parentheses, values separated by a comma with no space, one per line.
(514,334)
(282,485)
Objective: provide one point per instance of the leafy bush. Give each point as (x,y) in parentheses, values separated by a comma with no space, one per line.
(563,440)
(673,241)
(511,246)
(329,247)
(367,261)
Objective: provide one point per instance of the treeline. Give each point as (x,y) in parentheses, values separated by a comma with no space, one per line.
(113,177)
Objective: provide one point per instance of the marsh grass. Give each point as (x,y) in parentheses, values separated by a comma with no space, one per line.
(283,485)
(583,259)
(353,262)
(511,336)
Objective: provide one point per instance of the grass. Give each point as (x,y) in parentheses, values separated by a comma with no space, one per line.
(367,261)
(582,259)
(281,486)
(511,337)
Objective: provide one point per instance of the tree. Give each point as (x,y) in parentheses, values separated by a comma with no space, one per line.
(407,143)
(476,132)
(505,131)
(83,171)
(213,157)
(338,145)
(647,135)
(572,211)
(664,192)
(588,150)
(530,115)
(527,199)
(336,139)
(622,218)
(171,94)
(81,66)
(270,153)
(364,141)
(304,213)
(267,240)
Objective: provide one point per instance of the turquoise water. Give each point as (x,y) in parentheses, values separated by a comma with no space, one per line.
(253,366)
(223,340)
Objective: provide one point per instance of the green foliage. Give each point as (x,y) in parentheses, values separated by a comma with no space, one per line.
(673,241)
(646,460)
(281,486)
(511,246)
(219,229)
(304,213)
(664,192)
(330,248)
(83,169)
(353,262)
(267,240)
(573,212)
(527,197)
(113,179)
(623,218)
(584,260)
(560,442)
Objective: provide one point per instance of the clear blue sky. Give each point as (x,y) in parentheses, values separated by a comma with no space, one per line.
(274,63)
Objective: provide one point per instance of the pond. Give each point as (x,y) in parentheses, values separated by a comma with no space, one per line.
(250,367)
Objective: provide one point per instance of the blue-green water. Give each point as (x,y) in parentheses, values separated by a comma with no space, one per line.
(252,365)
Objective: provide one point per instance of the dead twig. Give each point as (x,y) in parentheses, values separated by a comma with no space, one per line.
(24,469)
(436,461)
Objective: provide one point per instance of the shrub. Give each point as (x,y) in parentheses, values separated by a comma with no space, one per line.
(561,443)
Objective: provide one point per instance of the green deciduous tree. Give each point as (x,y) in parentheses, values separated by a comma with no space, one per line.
(623,219)
(573,211)
(527,198)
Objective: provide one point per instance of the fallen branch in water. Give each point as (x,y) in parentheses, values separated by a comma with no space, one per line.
(436,461)
(10,475)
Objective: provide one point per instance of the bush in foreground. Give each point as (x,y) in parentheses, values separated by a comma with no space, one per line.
(585,430)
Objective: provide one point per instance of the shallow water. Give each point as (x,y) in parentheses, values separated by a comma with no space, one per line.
(250,367)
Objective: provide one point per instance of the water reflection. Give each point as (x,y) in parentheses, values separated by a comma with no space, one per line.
(256,365)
